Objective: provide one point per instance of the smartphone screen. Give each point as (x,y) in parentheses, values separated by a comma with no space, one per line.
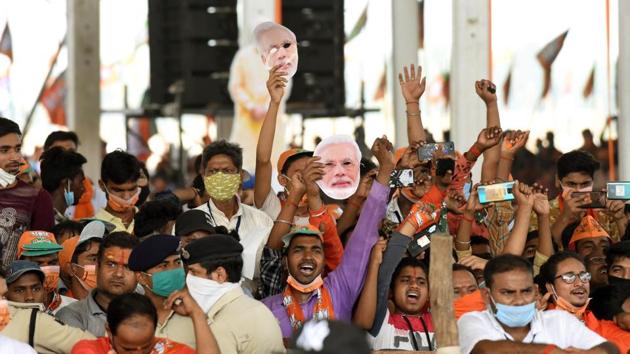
(401,178)
(598,199)
(421,241)
(496,192)
(426,151)
(618,190)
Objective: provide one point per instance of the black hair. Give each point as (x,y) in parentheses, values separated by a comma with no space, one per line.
(577,161)
(532,235)
(84,247)
(461,267)
(65,227)
(58,164)
(479,240)
(233,266)
(366,166)
(197,164)
(617,251)
(222,147)
(126,306)
(8,126)
(408,262)
(289,161)
(154,215)
(3,272)
(120,239)
(549,270)
(60,135)
(607,301)
(505,263)
(120,167)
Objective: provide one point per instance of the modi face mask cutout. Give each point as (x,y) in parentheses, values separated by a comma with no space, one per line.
(277,46)
(341,158)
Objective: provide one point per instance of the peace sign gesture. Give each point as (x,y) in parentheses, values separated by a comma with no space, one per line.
(412,87)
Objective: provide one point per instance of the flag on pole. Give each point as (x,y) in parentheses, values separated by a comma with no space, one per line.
(590,83)
(6,44)
(546,57)
(359,25)
(421,24)
(506,87)
(382,86)
(54,98)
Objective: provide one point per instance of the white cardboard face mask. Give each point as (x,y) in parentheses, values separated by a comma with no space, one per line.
(341,158)
(6,179)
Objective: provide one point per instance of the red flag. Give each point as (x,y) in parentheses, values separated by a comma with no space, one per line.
(506,88)
(6,45)
(590,83)
(546,57)
(54,99)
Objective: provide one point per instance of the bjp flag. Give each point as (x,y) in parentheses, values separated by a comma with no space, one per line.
(546,57)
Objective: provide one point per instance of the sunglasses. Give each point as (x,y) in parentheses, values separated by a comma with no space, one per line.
(570,278)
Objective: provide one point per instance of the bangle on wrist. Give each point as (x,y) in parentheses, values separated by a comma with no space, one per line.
(462,242)
(411,102)
(417,114)
(475,151)
(316,213)
(505,157)
(284,222)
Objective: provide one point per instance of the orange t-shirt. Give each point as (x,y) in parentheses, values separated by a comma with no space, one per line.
(84,208)
(609,330)
(103,346)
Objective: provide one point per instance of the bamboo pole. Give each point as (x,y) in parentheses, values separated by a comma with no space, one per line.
(441,290)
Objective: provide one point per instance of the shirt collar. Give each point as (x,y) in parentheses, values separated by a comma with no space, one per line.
(93,306)
(218,211)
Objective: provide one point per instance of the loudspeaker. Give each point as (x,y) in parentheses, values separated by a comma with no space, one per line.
(193,41)
(319,85)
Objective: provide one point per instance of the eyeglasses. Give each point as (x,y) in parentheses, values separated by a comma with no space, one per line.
(570,278)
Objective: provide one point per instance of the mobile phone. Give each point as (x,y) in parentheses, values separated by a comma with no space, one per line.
(598,199)
(496,192)
(421,241)
(401,178)
(426,151)
(618,190)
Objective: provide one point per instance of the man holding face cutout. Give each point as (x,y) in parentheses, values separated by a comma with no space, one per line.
(274,45)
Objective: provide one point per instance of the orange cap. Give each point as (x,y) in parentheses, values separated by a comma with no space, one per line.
(588,228)
(65,255)
(37,243)
(398,154)
(287,154)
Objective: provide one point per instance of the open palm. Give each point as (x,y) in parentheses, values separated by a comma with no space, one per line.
(411,85)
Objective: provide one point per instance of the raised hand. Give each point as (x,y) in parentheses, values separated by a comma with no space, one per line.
(297,186)
(473,205)
(410,158)
(411,86)
(513,142)
(313,172)
(382,149)
(474,262)
(541,200)
(486,90)
(488,138)
(455,202)
(523,194)
(276,83)
(615,208)
(376,257)
(366,183)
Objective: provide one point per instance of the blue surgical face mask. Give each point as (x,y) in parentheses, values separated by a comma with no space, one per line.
(68,195)
(467,188)
(514,316)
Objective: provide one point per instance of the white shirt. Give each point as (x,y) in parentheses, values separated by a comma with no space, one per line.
(393,213)
(12,346)
(548,327)
(253,227)
(272,206)
(397,336)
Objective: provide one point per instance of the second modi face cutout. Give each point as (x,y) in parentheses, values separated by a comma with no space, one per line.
(277,45)
(341,158)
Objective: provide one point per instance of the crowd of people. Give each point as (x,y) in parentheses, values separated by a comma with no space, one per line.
(109,266)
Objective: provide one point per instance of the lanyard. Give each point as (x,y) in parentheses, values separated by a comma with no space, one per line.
(214,222)
(414,342)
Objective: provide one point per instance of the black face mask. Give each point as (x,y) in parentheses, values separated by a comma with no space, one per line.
(444,165)
(619,281)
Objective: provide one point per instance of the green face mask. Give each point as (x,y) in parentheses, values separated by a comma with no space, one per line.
(222,186)
(168,281)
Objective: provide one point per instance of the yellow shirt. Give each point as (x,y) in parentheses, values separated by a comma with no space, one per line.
(104,215)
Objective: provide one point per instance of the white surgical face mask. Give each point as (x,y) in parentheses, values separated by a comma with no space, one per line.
(6,178)
(207,292)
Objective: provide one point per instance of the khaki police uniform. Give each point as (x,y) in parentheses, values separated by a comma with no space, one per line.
(177,328)
(243,325)
(48,335)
